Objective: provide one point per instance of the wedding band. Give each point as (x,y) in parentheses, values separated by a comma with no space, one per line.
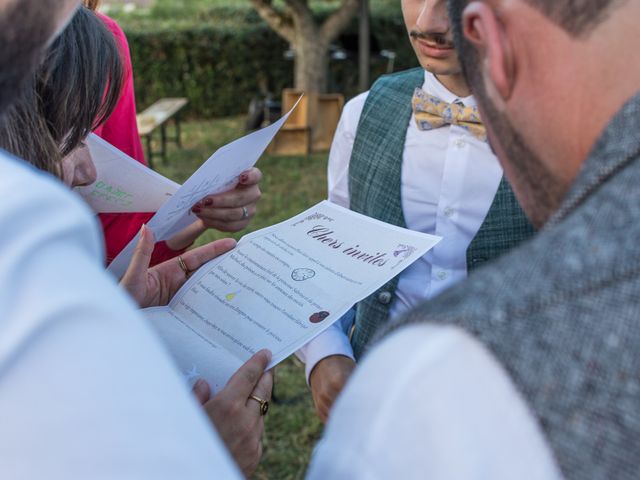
(183,267)
(264,404)
(245,213)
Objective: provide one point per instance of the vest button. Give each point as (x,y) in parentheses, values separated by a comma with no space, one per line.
(384,298)
(477,260)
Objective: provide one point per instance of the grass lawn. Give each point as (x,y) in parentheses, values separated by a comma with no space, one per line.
(290,185)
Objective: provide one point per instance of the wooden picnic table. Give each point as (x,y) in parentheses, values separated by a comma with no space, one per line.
(158,115)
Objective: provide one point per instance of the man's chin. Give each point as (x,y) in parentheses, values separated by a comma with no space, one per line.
(440,67)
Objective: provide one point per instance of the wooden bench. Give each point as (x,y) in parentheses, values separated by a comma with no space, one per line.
(158,115)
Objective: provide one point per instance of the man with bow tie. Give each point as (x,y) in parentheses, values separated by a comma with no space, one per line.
(413,152)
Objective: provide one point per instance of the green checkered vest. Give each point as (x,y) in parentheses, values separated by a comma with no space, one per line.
(375,172)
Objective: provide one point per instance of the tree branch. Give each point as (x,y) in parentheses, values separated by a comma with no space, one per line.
(339,20)
(300,8)
(277,20)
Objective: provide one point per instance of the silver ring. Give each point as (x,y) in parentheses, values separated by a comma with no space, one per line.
(245,213)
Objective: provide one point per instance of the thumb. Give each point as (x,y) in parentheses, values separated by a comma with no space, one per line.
(141,257)
(244,381)
(202,391)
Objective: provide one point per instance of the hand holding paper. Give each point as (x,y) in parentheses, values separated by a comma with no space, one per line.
(237,417)
(124,185)
(218,174)
(232,211)
(152,287)
(280,287)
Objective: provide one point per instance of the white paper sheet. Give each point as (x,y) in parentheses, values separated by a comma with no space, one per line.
(123,185)
(280,287)
(218,174)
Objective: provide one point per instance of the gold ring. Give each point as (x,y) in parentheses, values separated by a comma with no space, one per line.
(183,267)
(245,213)
(264,404)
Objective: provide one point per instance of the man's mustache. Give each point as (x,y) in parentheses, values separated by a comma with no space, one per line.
(439,39)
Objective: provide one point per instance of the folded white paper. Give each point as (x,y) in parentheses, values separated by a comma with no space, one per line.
(218,174)
(280,287)
(123,185)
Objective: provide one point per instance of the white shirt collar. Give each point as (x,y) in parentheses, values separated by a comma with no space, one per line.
(433,86)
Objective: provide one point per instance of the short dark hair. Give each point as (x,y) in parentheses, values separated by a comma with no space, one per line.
(73,92)
(577,17)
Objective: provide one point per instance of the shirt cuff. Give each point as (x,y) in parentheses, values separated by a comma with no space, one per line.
(333,341)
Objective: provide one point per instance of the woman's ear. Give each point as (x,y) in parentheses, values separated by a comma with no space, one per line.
(484,30)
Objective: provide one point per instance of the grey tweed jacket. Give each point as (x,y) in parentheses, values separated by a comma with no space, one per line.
(562,312)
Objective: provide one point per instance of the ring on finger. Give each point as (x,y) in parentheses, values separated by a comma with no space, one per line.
(245,213)
(183,267)
(264,404)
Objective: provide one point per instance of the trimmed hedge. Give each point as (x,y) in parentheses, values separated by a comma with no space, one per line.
(217,59)
(215,68)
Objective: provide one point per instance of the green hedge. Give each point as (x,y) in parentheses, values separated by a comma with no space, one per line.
(217,58)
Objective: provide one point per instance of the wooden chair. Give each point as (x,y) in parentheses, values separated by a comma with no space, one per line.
(306,130)
(329,111)
(294,138)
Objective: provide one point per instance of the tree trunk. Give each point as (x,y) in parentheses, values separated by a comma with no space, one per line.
(311,41)
(311,71)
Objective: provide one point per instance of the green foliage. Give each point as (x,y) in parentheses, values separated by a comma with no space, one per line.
(215,67)
(218,52)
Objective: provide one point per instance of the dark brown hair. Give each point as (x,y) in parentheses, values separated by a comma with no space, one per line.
(25,29)
(73,92)
(92,4)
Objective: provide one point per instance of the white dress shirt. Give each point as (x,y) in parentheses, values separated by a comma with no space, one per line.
(431,403)
(86,390)
(449,181)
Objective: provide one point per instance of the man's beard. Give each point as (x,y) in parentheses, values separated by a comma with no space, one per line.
(539,192)
(25,29)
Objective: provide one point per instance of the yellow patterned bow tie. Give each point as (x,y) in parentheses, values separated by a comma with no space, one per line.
(432,113)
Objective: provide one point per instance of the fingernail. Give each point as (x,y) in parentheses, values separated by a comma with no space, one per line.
(268,353)
(196,209)
(208,202)
(198,384)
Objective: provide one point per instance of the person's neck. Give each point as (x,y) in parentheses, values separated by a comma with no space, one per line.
(456,84)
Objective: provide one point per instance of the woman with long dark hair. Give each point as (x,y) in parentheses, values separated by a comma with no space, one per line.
(49,122)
